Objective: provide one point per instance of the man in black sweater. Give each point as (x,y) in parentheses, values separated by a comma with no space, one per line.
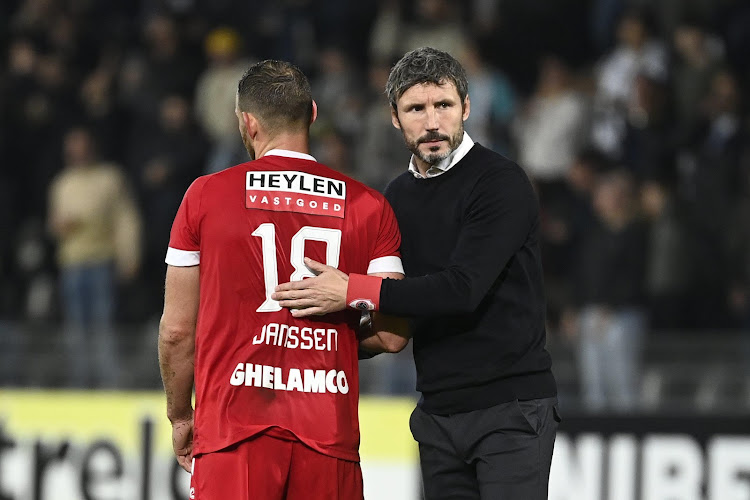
(469,219)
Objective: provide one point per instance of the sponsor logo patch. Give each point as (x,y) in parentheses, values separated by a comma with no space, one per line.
(289,191)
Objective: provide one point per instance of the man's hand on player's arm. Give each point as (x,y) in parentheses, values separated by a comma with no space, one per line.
(322,294)
(176,355)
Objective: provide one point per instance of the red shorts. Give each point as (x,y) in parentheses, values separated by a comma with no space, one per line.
(269,468)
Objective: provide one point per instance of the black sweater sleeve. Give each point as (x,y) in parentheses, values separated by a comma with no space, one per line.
(501,210)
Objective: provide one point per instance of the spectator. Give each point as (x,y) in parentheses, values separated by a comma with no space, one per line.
(669,261)
(550,129)
(612,319)
(699,58)
(433,25)
(102,112)
(648,147)
(169,156)
(637,52)
(97,229)
(711,185)
(214,98)
(565,223)
(163,68)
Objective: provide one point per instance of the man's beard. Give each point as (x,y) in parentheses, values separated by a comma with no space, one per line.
(248,145)
(434,158)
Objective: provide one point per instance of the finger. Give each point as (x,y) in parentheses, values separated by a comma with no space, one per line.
(285,287)
(298,303)
(292,295)
(309,311)
(294,285)
(315,266)
(288,295)
(185,463)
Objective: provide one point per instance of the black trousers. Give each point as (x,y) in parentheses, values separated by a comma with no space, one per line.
(498,453)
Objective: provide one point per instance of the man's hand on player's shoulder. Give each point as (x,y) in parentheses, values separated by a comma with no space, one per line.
(182,441)
(323,294)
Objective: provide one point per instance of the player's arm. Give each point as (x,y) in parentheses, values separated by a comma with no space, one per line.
(176,355)
(385,333)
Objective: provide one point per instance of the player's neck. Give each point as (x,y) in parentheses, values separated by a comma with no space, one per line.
(290,142)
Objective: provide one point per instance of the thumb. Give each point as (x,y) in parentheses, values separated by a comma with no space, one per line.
(314,265)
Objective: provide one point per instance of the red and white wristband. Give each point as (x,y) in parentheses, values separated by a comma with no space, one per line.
(363,292)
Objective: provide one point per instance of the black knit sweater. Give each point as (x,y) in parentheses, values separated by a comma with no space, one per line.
(474,287)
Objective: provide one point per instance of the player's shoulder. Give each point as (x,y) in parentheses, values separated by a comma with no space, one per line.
(222,177)
(196,187)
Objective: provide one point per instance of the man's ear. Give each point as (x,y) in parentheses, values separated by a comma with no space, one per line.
(314,115)
(394,118)
(467,108)
(251,124)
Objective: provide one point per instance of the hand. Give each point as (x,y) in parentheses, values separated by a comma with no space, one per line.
(182,442)
(323,294)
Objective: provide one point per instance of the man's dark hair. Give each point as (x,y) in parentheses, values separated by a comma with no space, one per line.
(277,93)
(425,65)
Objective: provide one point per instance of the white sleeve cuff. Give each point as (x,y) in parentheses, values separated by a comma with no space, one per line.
(389,264)
(182,258)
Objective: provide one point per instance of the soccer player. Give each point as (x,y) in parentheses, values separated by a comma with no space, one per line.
(275,397)
(487,418)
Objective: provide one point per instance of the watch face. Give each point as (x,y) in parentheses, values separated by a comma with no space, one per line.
(362,305)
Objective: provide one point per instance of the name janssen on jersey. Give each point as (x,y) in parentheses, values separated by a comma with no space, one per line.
(294,379)
(294,337)
(296,182)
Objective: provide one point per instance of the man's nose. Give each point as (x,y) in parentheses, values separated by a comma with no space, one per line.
(432,120)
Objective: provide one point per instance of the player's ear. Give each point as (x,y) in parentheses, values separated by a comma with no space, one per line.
(251,124)
(314,115)
(467,108)
(394,118)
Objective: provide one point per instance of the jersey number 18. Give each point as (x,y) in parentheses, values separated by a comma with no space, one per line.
(267,233)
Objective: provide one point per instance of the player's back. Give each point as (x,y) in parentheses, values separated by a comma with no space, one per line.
(257,367)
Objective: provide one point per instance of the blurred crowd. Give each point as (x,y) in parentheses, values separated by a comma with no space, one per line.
(630,117)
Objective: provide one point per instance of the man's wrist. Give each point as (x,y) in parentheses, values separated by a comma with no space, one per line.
(363,292)
(180,416)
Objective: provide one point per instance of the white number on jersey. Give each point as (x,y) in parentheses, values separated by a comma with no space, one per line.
(267,233)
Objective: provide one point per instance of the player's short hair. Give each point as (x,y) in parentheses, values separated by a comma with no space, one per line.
(425,65)
(277,93)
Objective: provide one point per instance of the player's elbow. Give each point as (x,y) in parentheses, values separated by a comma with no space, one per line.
(394,343)
(173,333)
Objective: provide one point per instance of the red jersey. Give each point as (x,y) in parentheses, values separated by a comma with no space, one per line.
(257,368)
